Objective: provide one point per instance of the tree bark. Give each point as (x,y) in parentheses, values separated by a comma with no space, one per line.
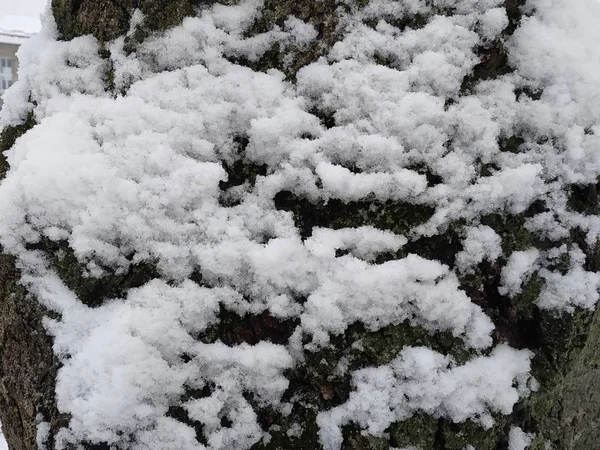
(564,412)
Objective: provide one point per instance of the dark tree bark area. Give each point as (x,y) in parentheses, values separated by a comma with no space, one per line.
(27,364)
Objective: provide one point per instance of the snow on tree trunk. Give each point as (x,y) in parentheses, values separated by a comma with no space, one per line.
(335,224)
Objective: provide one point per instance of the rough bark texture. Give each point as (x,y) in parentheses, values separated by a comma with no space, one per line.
(27,365)
(565,412)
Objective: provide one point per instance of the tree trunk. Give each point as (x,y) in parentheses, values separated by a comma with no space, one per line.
(562,414)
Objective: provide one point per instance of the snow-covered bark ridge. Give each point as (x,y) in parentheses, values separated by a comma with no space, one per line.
(142,174)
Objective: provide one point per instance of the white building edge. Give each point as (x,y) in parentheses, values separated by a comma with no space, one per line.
(14,37)
(14,31)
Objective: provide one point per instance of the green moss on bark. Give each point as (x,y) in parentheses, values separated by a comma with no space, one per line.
(397,217)
(93,291)
(566,410)
(418,431)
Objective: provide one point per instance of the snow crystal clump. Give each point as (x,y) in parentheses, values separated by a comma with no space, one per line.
(480,243)
(575,288)
(518,269)
(420,379)
(422,291)
(363,242)
(42,433)
(518,439)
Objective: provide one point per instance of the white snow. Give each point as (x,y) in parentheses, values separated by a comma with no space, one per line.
(136,178)
(577,287)
(362,242)
(43,432)
(518,269)
(518,439)
(481,243)
(422,291)
(420,379)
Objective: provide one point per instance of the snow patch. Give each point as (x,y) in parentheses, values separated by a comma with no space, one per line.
(420,379)
(518,439)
